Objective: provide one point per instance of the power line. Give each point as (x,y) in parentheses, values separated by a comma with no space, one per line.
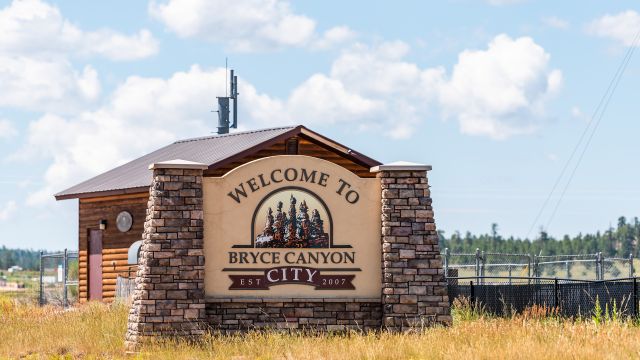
(625,63)
(602,104)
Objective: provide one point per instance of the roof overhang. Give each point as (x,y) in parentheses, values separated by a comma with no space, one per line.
(298,131)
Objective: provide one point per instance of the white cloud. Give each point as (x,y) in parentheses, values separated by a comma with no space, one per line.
(157,110)
(33,27)
(501,91)
(7,130)
(245,25)
(321,99)
(35,84)
(622,27)
(334,36)
(498,92)
(116,46)
(555,22)
(7,210)
(37,47)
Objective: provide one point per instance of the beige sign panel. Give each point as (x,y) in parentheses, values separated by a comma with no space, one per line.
(292,226)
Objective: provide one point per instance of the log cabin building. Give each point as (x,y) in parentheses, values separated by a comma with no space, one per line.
(112,205)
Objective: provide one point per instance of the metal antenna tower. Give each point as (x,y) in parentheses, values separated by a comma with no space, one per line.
(223,106)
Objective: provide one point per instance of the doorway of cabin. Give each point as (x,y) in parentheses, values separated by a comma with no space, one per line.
(95,265)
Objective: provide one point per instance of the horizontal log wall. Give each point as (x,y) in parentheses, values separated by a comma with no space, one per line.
(115,244)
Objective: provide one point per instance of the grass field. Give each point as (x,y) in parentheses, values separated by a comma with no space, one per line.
(97,331)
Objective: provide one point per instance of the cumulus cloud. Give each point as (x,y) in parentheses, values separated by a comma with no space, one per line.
(622,27)
(334,36)
(7,130)
(157,110)
(37,47)
(498,92)
(501,91)
(33,27)
(245,25)
(7,209)
(54,85)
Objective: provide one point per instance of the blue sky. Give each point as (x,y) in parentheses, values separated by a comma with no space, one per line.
(493,94)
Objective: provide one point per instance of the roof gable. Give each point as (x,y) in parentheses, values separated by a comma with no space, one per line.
(217,152)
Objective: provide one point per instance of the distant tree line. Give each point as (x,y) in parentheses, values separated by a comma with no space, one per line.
(26,259)
(617,241)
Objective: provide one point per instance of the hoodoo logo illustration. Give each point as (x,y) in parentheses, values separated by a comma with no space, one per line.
(303,226)
(301,229)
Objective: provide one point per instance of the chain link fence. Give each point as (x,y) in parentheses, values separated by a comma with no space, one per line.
(58,278)
(541,296)
(576,267)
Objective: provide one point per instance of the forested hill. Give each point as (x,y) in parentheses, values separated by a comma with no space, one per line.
(618,241)
(27,259)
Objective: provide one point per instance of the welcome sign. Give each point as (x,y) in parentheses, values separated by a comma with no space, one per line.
(292,226)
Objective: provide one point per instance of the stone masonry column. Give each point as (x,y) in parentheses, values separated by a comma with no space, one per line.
(169,296)
(414,291)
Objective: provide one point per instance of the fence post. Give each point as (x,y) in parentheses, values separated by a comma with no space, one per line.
(529,268)
(635,298)
(446,262)
(566,265)
(631,265)
(477,264)
(65,263)
(472,294)
(509,273)
(483,259)
(555,293)
(536,271)
(41,294)
(600,267)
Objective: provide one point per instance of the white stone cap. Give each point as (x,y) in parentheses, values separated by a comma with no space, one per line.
(179,164)
(401,166)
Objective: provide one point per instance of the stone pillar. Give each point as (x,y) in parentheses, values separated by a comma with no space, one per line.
(414,290)
(169,298)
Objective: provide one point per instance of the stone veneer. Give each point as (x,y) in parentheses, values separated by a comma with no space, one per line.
(241,314)
(414,290)
(169,296)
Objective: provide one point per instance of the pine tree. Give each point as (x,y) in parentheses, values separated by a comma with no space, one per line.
(304,226)
(279,226)
(292,226)
(320,238)
(268,226)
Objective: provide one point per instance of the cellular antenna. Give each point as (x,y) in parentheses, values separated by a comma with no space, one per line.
(223,105)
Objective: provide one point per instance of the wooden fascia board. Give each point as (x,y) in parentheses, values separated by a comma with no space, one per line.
(134,190)
(254,149)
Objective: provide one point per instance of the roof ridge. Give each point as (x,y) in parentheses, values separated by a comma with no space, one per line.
(234,134)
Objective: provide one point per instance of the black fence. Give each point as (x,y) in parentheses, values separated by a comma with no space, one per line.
(564,297)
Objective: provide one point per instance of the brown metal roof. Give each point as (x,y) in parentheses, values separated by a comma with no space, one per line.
(135,177)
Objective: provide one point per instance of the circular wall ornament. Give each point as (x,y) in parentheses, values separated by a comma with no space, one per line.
(124,221)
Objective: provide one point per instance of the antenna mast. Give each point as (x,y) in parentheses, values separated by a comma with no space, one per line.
(223,105)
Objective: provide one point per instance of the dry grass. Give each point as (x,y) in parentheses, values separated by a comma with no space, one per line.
(97,331)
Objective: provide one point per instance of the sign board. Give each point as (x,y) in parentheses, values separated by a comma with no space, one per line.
(292,226)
